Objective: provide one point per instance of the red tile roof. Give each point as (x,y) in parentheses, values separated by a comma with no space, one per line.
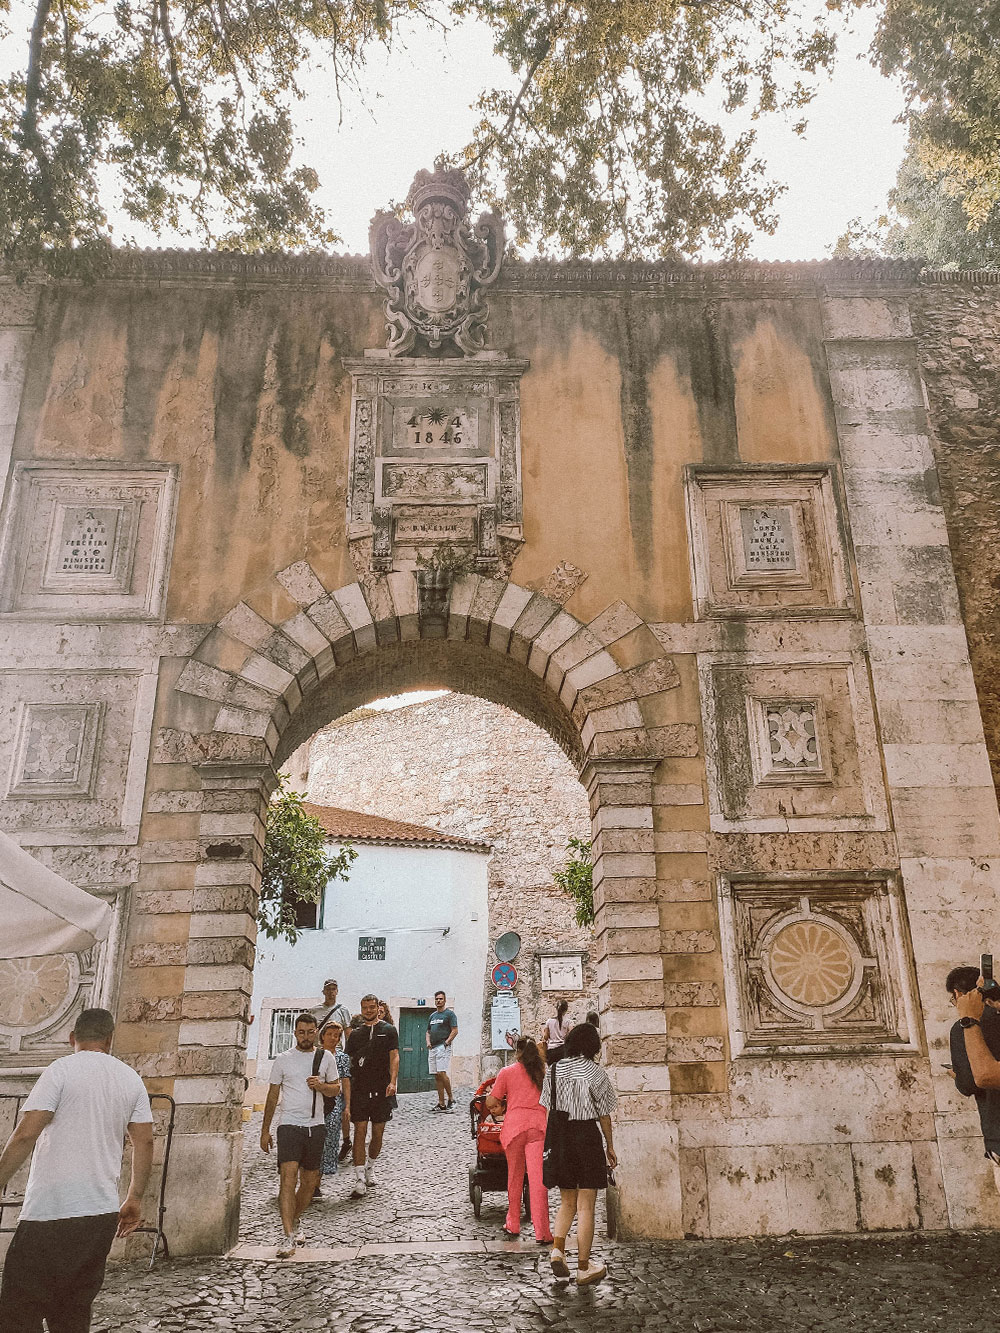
(354,826)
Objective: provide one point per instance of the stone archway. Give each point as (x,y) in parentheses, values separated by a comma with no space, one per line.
(253,688)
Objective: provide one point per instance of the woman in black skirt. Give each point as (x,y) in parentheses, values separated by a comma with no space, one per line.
(584,1091)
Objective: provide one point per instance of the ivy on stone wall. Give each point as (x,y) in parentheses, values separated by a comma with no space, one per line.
(577,879)
(298,863)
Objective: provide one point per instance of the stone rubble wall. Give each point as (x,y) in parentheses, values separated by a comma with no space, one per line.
(479,771)
(958,331)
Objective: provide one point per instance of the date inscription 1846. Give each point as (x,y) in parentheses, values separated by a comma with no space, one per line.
(441,427)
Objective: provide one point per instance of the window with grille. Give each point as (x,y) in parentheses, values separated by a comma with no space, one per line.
(282,1031)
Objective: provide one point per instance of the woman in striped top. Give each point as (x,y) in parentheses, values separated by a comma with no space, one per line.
(584,1091)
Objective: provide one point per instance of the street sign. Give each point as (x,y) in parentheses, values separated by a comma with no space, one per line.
(371,948)
(505,1022)
(504,976)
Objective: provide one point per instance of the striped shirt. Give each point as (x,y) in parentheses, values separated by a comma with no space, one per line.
(583,1089)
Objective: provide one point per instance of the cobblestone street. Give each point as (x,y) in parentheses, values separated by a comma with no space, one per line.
(411,1258)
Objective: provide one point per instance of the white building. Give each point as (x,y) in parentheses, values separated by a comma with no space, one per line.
(413,918)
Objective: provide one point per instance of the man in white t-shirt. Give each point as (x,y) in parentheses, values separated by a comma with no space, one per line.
(76,1118)
(303,1076)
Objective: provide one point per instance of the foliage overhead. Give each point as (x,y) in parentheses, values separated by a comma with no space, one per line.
(947,53)
(577,879)
(298,863)
(926,220)
(627,127)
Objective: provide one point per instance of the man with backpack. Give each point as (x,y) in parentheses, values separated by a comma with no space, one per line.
(302,1076)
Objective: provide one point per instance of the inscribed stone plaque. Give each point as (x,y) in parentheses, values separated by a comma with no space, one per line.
(87,542)
(433,526)
(768,540)
(439,425)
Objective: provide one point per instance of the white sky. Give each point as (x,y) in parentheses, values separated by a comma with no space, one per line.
(418,101)
(395,701)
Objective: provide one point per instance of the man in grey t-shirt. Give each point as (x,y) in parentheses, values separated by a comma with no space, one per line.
(75,1119)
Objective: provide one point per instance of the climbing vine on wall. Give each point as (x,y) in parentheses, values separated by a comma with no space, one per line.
(577,879)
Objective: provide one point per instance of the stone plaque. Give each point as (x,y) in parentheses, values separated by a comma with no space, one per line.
(56,750)
(437,481)
(768,539)
(431,527)
(562,972)
(87,542)
(788,736)
(436,426)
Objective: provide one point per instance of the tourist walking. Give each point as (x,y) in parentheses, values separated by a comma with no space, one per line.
(442,1029)
(557,1029)
(332,1041)
(302,1077)
(516,1091)
(580,1087)
(75,1119)
(331,1010)
(374,1051)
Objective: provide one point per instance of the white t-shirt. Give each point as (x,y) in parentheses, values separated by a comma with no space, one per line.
(289,1073)
(78,1155)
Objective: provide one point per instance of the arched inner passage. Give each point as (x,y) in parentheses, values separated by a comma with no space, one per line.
(468,668)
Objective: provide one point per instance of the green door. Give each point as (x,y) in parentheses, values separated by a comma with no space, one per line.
(413,1073)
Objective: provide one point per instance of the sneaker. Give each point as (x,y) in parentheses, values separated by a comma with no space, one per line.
(300,1236)
(360,1188)
(370,1174)
(560,1268)
(287,1248)
(345,1150)
(585,1277)
(439,1107)
(451,1103)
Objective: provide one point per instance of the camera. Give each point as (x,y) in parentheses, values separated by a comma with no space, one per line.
(990,989)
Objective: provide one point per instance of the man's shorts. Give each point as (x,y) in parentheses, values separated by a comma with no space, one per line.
(302,1144)
(439,1058)
(373,1106)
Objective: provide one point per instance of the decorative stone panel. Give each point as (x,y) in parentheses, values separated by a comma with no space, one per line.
(435,461)
(55,751)
(816,964)
(87,542)
(792,745)
(766,541)
(39,1001)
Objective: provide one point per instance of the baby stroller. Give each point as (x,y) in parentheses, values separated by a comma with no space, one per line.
(490,1170)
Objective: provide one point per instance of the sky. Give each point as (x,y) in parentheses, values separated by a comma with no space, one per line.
(419,98)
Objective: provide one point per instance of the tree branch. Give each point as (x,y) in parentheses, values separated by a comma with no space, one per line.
(163,17)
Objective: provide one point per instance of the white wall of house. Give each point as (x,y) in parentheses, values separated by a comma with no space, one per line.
(430,904)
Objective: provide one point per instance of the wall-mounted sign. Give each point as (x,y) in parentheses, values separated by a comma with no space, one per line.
(505,1021)
(504,976)
(562,972)
(371,948)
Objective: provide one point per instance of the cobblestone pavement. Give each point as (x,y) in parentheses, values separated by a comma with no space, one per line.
(895,1284)
(885,1284)
(423,1190)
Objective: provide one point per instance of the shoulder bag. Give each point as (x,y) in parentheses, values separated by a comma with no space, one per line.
(555,1151)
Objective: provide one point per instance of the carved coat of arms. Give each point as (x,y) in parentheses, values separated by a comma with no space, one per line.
(435,268)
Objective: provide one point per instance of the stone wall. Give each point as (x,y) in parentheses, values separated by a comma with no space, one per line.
(479,771)
(958,327)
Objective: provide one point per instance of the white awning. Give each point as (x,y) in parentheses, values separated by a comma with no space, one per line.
(42,913)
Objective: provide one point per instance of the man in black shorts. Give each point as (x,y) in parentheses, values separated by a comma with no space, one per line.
(303,1076)
(374,1051)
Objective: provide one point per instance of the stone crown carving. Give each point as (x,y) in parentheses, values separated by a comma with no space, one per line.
(434,269)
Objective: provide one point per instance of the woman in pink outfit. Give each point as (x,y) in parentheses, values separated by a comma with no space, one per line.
(522,1136)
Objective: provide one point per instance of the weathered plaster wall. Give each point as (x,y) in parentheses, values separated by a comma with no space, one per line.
(481,772)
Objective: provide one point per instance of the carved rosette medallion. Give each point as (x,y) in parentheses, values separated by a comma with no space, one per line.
(435,269)
(816,964)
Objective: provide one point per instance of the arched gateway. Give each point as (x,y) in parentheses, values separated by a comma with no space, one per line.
(686,520)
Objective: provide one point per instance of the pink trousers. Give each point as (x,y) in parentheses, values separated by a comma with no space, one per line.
(526,1150)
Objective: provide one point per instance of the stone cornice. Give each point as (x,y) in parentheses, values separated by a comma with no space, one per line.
(720,279)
